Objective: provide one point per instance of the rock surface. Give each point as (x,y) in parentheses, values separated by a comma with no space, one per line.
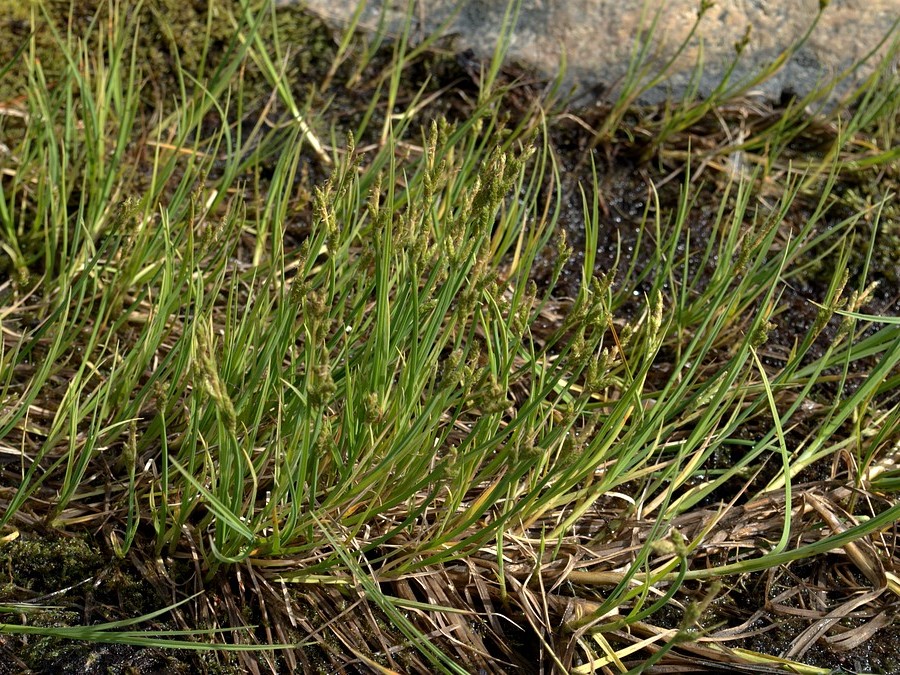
(598,37)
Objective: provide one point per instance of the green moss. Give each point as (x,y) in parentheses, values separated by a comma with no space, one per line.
(35,566)
(19,23)
(176,43)
(46,565)
(66,657)
(194,35)
(886,251)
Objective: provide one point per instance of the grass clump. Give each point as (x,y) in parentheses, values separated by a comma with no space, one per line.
(351,401)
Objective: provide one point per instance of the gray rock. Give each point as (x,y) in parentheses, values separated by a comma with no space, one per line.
(597,39)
